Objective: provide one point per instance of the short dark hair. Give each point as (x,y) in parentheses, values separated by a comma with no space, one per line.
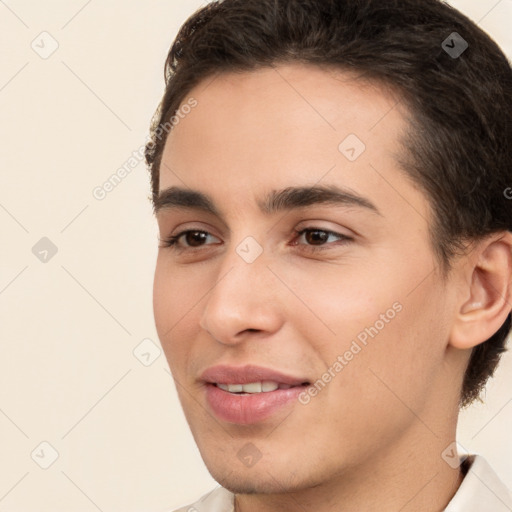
(458,147)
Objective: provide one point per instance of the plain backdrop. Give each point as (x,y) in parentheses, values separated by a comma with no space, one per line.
(89,416)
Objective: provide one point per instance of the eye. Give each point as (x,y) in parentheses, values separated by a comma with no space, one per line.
(318,238)
(193,237)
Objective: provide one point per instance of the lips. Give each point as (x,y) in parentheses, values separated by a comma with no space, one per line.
(224,374)
(249,394)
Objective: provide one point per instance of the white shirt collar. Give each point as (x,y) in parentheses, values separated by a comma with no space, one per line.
(481,490)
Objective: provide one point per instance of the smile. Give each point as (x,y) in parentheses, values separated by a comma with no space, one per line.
(254,387)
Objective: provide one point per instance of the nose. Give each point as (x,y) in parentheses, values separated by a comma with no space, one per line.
(244,299)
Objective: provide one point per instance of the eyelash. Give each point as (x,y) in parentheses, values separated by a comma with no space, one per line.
(172,242)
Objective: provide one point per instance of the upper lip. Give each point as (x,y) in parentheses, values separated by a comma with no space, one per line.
(224,374)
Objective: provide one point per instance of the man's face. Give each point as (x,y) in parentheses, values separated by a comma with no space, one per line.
(252,291)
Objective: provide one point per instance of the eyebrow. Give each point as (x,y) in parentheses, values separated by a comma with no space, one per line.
(275,201)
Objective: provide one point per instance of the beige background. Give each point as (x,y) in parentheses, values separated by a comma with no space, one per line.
(69,326)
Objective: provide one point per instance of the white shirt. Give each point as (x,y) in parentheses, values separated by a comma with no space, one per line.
(480,491)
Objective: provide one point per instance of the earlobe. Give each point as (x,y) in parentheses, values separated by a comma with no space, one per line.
(487,297)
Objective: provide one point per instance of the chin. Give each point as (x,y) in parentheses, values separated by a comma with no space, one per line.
(254,480)
(248,484)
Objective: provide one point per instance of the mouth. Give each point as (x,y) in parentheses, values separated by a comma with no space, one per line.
(252,388)
(250,394)
(254,378)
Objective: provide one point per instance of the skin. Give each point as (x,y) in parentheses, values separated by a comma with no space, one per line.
(372,438)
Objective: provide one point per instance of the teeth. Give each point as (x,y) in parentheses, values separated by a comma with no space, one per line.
(268,385)
(253,387)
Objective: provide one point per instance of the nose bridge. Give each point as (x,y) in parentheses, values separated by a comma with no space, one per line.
(242,297)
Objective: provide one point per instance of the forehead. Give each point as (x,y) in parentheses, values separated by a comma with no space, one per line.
(280,126)
(292,101)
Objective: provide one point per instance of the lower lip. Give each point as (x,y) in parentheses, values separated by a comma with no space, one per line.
(250,408)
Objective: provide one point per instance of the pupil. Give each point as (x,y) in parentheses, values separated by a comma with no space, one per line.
(321,238)
(195,235)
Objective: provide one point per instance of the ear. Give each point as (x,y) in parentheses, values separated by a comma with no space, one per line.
(487,295)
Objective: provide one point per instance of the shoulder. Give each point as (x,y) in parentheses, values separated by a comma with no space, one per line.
(217,500)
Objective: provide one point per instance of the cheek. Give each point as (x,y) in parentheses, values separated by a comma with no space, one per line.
(401,359)
(162,300)
(175,293)
(337,302)
(378,323)
(170,307)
